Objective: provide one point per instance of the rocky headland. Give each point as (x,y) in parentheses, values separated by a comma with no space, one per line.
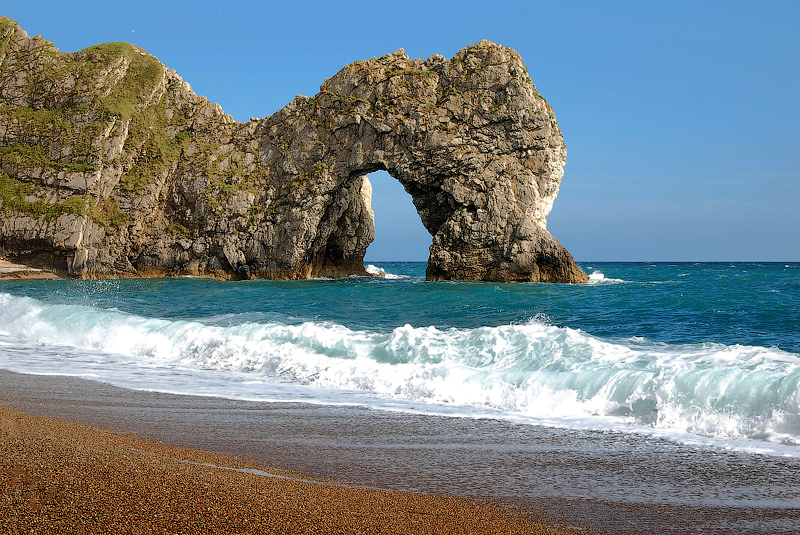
(111,166)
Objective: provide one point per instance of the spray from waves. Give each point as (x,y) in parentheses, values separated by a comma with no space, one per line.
(533,370)
(380,272)
(596,277)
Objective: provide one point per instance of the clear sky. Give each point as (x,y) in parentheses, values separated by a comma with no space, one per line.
(681,118)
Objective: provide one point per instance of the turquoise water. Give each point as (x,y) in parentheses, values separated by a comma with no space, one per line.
(694,352)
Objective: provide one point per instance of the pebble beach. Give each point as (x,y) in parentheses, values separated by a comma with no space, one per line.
(64,477)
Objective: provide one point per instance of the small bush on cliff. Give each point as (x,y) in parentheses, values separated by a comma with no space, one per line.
(108,214)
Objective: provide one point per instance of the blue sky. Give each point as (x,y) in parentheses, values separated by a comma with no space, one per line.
(681,119)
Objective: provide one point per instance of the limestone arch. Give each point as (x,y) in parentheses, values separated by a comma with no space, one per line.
(470,140)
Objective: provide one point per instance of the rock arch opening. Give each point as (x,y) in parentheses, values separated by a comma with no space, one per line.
(400,235)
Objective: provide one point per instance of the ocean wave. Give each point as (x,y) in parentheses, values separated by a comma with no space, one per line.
(533,370)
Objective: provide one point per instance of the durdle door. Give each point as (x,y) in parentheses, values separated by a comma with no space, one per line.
(113,167)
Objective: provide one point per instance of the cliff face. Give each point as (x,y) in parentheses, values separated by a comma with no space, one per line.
(113,167)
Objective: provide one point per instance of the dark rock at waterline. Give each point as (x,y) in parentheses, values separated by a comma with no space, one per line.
(113,167)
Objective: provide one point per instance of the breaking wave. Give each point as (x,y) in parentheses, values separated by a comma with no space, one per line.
(535,371)
(597,277)
(380,272)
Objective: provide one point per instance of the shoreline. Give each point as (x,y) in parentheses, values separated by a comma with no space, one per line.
(550,476)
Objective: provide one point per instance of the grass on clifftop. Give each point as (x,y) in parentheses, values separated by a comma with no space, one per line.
(49,70)
(87,90)
(75,99)
(143,74)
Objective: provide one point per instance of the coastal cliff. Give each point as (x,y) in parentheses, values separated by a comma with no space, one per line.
(111,166)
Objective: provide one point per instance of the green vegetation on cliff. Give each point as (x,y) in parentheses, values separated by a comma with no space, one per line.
(69,106)
(36,156)
(108,215)
(142,73)
(16,195)
(157,151)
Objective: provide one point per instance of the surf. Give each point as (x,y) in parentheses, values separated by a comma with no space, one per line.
(533,372)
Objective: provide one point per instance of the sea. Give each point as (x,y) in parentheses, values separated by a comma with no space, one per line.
(702,354)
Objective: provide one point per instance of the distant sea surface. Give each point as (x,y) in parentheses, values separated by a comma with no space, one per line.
(705,354)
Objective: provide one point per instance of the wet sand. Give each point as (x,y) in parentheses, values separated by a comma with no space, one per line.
(609,482)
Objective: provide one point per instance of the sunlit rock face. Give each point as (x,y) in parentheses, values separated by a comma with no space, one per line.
(113,167)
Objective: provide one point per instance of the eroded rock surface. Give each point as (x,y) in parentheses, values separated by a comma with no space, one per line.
(113,167)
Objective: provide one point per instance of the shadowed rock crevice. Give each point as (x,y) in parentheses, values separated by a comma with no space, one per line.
(113,167)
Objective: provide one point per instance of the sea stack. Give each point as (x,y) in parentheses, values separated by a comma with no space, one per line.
(113,167)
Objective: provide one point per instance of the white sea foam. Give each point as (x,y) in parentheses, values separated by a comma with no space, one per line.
(375,270)
(597,277)
(379,271)
(533,372)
